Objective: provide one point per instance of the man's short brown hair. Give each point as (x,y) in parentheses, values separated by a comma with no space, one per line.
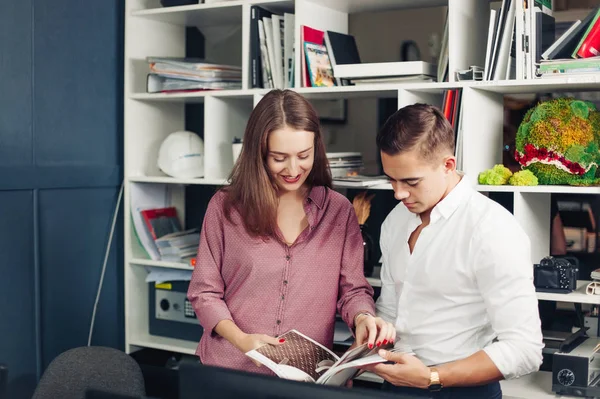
(419,126)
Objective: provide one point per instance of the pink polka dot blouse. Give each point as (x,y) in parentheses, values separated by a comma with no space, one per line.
(268,287)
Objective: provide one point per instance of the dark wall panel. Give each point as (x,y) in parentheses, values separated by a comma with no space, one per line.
(17,281)
(76,93)
(15,84)
(74,231)
(61,167)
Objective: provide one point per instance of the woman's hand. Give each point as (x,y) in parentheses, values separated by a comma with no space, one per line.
(373,330)
(248,342)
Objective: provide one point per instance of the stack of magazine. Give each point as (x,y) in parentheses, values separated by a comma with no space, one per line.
(190,74)
(302,359)
(178,246)
(342,164)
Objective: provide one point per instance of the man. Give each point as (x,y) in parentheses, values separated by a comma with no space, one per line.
(457,277)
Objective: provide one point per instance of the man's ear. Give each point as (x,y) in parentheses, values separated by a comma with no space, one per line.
(449,164)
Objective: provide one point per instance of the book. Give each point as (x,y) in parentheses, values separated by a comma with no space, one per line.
(384,69)
(161,221)
(588,23)
(256,63)
(554,50)
(302,359)
(342,50)
(318,65)
(311,35)
(591,44)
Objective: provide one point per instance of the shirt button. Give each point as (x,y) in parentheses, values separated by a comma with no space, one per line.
(285,282)
(278,322)
(282,297)
(287,257)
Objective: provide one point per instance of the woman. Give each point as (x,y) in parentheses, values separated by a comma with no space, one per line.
(279,249)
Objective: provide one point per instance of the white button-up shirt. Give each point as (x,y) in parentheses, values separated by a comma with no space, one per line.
(467,286)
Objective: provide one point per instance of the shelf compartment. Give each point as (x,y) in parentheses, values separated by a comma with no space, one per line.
(207,15)
(200,15)
(162,343)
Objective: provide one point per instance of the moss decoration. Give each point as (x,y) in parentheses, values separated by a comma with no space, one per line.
(558,142)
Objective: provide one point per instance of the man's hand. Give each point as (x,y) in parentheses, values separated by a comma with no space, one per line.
(373,330)
(408,371)
(249,342)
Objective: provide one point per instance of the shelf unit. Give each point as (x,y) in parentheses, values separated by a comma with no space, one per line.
(151,30)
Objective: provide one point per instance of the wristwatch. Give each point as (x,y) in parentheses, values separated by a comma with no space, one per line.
(435,384)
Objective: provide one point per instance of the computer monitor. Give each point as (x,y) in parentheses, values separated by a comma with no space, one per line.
(100,394)
(198,381)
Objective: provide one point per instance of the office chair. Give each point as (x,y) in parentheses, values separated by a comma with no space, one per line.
(3,381)
(71,374)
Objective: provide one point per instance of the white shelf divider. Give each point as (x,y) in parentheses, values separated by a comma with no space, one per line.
(482,131)
(467,34)
(224,119)
(532,211)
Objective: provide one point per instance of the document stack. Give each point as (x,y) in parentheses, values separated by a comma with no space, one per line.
(344,164)
(189,74)
(179,246)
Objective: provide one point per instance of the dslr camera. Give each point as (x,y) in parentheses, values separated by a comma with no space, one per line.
(558,275)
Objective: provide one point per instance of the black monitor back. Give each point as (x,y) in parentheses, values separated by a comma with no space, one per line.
(198,381)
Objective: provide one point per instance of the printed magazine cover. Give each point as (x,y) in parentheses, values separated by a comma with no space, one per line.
(318,64)
(302,359)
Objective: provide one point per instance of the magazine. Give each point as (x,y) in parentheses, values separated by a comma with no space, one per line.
(302,359)
(319,66)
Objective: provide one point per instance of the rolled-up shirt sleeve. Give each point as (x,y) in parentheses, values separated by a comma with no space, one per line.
(504,273)
(356,294)
(207,288)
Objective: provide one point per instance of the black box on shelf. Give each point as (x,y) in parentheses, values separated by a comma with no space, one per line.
(170,313)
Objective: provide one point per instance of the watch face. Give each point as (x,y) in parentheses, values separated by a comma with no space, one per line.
(435,387)
(565,377)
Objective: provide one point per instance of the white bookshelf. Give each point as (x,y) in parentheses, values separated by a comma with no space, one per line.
(151,30)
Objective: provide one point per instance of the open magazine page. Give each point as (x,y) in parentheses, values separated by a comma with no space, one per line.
(350,364)
(350,361)
(299,358)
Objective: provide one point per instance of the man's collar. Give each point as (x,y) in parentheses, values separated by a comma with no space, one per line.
(446,207)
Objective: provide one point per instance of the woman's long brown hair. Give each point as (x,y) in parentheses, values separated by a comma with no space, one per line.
(252,191)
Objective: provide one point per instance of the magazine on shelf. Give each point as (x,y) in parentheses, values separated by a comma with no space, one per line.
(303,359)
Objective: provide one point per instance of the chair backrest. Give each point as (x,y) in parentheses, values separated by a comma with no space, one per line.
(3,381)
(75,371)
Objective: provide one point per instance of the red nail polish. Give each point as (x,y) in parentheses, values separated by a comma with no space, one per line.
(378,343)
(385,341)
(281,341)
(370,346)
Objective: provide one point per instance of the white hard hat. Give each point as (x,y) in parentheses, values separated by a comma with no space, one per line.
(181,154)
